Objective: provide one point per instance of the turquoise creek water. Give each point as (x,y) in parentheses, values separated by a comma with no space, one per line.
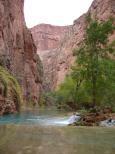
(46,132)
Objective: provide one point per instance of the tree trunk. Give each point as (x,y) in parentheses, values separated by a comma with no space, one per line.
(94,92)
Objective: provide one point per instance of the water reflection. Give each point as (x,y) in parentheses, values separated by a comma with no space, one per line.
(20,139)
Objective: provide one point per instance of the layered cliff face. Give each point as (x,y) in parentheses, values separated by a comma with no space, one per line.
(57,62)
(100,10)
(47,39)
(17,49)
(47,36)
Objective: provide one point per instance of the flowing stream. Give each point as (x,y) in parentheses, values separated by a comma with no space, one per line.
(41,117)
(46,132)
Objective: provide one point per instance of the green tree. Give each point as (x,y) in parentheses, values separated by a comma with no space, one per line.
(66,91)
(93,53)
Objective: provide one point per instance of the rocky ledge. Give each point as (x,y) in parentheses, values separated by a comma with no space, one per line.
(18,52)
(99,118)
(57,63)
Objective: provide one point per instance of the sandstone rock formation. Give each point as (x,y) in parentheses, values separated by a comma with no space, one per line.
(101,10)
(47,36)
(17,49)
(47,39)
(57,62)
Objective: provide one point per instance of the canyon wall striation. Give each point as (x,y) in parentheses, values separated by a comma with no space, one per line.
(17,49)
(57,61)
(47,39)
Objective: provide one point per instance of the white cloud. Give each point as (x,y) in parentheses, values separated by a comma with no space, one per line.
(56,12)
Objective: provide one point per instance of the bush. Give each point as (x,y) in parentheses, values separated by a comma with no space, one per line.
(10,89)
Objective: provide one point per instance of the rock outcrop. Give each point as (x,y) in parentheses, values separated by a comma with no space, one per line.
(57,62)
(100,10)
(47,39)
(17,49)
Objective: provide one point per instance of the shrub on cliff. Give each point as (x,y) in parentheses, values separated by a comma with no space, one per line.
(10,92)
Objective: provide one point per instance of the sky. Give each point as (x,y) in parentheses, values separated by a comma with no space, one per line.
(55,12)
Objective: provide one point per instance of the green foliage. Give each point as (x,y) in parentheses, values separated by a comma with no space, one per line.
(92,80)
(67,90)
(47,99)
(66,93)
(93,53)
(10,87)
(97,33)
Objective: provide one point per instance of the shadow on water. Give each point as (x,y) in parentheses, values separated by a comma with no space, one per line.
(26,137)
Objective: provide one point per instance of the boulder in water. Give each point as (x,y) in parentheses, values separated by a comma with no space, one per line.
(108,123)
(74,118)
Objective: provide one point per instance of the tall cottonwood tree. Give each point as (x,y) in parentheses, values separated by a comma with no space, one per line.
(93,53)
